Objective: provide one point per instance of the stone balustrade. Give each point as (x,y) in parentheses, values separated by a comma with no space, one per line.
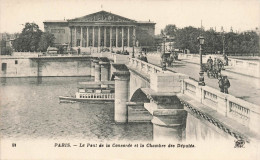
(237,109)
(245,66)
(144,66)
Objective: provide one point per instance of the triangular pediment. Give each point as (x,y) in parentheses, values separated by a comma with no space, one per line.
(101,16)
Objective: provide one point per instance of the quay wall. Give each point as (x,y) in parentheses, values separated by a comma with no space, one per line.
(198,129)
(29,67)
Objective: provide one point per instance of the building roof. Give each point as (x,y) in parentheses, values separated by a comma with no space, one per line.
(55,21)
(101,16)
(146,22)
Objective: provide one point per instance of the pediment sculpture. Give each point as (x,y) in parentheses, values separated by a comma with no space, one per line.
(102,17)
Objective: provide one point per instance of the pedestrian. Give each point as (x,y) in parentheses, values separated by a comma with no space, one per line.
(226,84)
(142,57)
(145,58)
(171,59)
(78,51)
(220,66)
(221,84)
(226,60)
(210,64)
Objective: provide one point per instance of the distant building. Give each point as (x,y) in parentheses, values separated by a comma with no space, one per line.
(101,29)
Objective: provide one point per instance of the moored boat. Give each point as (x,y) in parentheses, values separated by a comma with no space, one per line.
(92,92)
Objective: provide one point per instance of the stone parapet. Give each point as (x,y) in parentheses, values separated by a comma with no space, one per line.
(167,82)
(227,105)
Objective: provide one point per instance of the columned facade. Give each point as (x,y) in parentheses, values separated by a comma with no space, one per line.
(100,30)
(81,36)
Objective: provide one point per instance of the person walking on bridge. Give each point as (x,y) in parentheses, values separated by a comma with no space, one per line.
(226,84)
(221,84)
(210,63)
(145,58)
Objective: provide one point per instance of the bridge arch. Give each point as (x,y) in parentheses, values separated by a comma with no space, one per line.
(139,96)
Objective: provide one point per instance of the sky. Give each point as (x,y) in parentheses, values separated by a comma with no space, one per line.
(241,15)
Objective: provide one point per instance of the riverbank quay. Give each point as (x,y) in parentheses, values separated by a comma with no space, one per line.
(37,65)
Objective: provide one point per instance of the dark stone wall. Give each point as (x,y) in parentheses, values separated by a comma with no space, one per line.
(59,30)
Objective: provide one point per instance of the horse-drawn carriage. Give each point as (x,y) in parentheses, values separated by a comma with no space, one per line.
(169,58)
(214,69)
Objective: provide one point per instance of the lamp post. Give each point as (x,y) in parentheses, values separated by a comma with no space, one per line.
(133,55)
(201,78)
(163,55)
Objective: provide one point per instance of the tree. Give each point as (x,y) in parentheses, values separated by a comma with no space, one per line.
(186,38)
(29,38)
(245,43)
(170,30)
(46,40)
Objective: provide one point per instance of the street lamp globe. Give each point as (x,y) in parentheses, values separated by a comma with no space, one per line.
(201,40)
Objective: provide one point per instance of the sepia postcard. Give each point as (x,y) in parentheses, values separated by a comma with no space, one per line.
(130,79)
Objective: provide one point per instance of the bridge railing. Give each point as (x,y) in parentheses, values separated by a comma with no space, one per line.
(237,109)
(143,66)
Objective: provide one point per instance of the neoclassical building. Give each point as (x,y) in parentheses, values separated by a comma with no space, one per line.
(102,29)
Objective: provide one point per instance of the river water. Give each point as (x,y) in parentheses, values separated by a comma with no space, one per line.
(30,108)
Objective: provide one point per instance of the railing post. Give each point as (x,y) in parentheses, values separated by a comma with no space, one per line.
(182,86)
(222,105)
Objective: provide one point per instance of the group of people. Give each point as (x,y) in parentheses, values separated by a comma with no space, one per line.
(122,52)
(142,57)
(214,67)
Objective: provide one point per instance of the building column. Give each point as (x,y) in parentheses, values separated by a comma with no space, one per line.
(81,37)
(122,37)
(128,37)
(104,71)
(92,70)
(105,36)
(134,33)
(75,36)
(110,39)
(116,37)
(99,39)
(97,71)
(70,37)
(121,95)
(93,37)
(87,38)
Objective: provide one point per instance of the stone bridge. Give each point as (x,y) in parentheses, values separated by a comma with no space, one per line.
(177,106)
(174,103)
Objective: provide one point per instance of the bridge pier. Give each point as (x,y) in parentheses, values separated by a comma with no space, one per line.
(169,116)
(97,71)
(104,71)
(169,124)
(121,95)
